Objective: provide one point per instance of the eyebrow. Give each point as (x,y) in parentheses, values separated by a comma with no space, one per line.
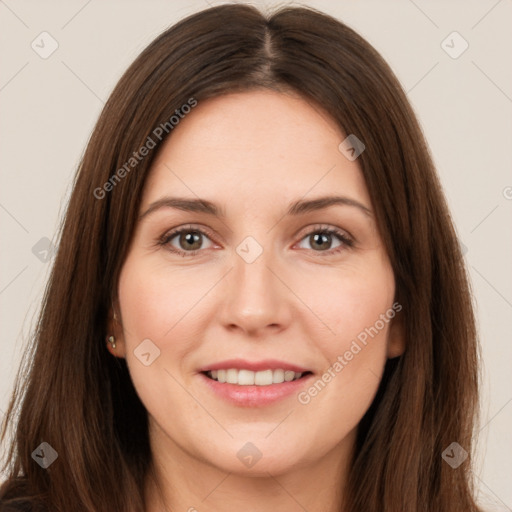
(299,207)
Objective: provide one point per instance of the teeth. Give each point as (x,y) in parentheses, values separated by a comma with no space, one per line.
(278,376)
(245,378)
(263,378)
(250,378)
(289,375)
(231,376)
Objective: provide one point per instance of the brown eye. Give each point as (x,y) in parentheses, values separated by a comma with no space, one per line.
(190,240)
(185,241)
(321,240)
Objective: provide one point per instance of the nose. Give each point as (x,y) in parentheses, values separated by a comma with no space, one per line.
(257,298)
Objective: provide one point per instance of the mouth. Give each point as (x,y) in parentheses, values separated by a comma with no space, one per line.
(242,377)
(254,384)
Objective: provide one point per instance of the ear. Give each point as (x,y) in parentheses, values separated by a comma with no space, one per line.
(115,329)
(396,336)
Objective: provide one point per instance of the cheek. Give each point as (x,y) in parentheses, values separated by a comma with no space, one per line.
(156,302)
(157,305)
(358,310)
(348,301)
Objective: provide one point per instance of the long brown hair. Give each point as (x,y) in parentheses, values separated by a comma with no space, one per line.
(72,394)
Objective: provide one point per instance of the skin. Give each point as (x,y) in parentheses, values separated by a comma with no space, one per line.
(253,154)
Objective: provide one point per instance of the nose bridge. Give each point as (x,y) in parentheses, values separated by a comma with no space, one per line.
(252,276)
(256,297)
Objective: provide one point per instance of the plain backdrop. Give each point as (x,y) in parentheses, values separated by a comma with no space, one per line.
(462,97)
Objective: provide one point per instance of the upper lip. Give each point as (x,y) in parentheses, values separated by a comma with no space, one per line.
(255,366)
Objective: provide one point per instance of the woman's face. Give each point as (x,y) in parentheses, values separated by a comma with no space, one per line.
(257,289)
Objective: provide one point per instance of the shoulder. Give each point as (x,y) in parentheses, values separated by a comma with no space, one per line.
(10,507)
(21,505)
(14,497)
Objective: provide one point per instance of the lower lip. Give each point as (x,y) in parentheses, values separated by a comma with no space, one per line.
(255,396)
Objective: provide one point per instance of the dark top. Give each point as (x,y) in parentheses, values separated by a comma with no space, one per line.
(24,507)
(15,508)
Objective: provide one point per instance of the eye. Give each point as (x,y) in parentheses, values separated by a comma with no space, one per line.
(321,238)
(189,240)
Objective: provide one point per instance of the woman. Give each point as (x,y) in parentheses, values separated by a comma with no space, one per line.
(198,347)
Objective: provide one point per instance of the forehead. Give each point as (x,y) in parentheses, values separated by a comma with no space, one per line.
(258,145)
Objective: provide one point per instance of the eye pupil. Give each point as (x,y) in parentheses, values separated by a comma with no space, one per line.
(191,237)
(323,237)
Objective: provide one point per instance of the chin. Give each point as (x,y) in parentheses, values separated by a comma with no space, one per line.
(258,456)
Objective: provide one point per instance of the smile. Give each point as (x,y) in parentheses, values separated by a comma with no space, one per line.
(245,383)
(251,378)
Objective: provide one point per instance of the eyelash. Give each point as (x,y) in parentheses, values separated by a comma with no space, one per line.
(167,237)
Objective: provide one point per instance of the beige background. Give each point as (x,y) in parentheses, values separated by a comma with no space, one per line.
(48,108)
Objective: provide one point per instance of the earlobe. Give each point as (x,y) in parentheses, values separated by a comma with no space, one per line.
(111,344)
(115,345)
(114,337)
(396,337)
